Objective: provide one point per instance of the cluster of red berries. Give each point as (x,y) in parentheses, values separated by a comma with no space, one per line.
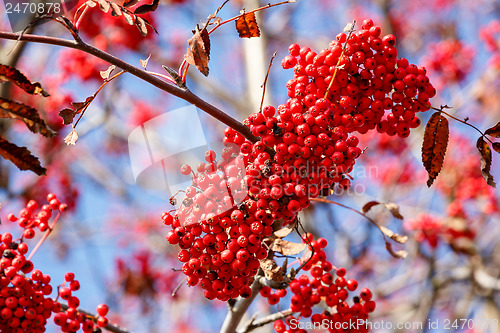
(322,285)
(70,319)
(450,60)
(218,229)
(368,79)
(24,291)
(305,149)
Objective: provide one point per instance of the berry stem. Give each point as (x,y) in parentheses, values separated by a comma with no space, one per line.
(441,109)
(351,30)
(352,210)
(95,95)
(79,21)
(265,81)
(47,233)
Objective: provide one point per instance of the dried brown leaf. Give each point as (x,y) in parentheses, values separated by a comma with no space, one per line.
(80,105)
(116,10)
(392,235)
(21,157)
(287,248)
(485,152)
(130,3)
(247,26)
(105,74)
(67,115)
(144,63)
(129,18)
(103,5)
(396,254)
(147,8)
(494,131)
(369,206)
(390,206)
(71,138)
(348,27)
(394,209)
(434,145)
(198,53)
(271,270)
(496,146)
(8,73)
(27,114)
(141,25)
(283,232)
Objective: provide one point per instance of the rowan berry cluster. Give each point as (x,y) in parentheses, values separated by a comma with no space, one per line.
(221,252)
(305,148)
(25,300)
(321,285)
(362,78)
(450,60)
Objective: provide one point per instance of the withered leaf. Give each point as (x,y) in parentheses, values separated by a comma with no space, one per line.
(198,53)
(392,235)
(71,138)
(115,9)
(369,206)
(396,254)
(150,25)
(27,114)
(103,5)
(80,105)
(129,3)
(144,63)
(283,232)
(494,131)
(129,18)
(67,115)
(105,74)
(434,145)
(271,270)
(8,73)
(21,157)
(496,146)
(147,8)
(348,27)
(485,152)
(391,207)
(141,25)
(287,248)
(246,25)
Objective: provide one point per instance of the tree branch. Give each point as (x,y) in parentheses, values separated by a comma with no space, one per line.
(235,314)
(184,94)
(253,324)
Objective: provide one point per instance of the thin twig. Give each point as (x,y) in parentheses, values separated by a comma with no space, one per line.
(351,30)
(47,233)
(352,210)
(441,109)
(174,90)
(265,81)
(174,292)
(95,95)
(269,5)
